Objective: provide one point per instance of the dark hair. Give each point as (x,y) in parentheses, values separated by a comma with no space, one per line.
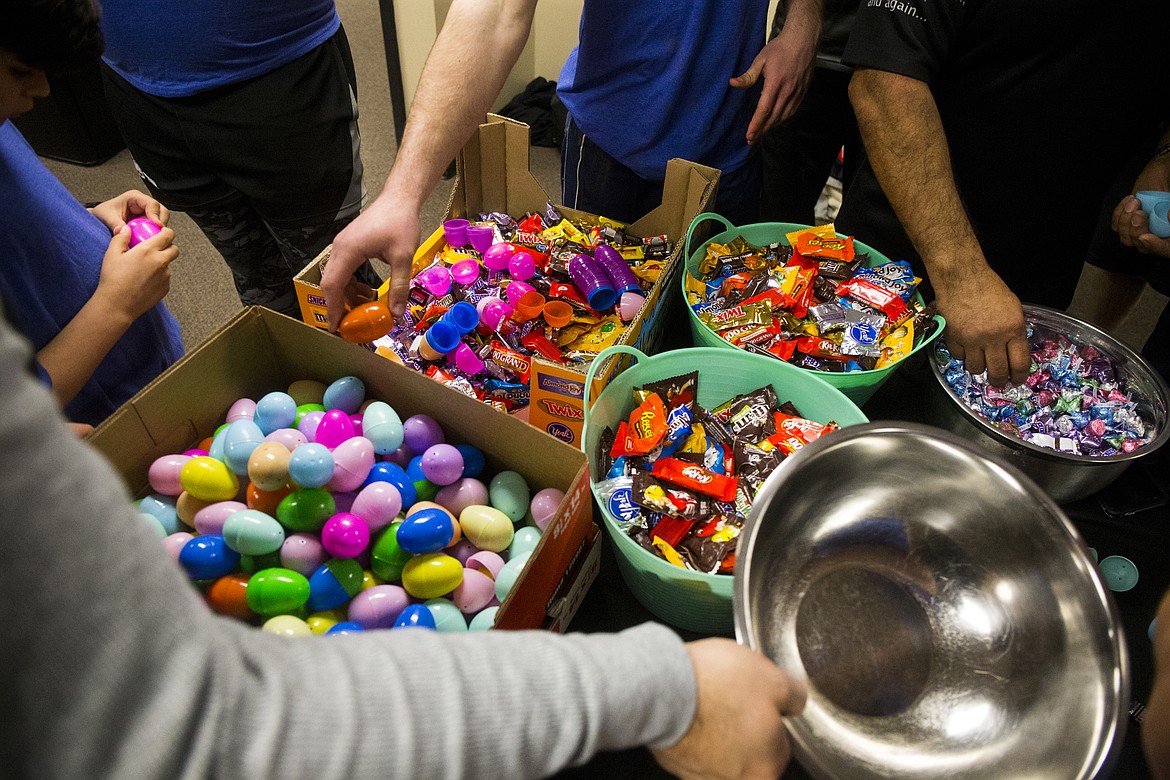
(52,33)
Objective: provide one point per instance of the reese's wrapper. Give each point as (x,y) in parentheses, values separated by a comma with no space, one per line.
(647,426)
(696,478)
(825,247)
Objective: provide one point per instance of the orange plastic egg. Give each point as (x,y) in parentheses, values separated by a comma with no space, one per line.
(226,596)
(366,322)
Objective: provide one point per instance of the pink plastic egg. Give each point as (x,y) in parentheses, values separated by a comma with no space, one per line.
(497,256)
(544,506)
(521,266)
(164,474)
(461,494)
(378,607)
(475,592)
(352,461)
(303,553)
(243,409)
(334,428)
(378,503)
(486,562)
(345,535)
(210,519)
(173,543)
(291,438)
(309,423)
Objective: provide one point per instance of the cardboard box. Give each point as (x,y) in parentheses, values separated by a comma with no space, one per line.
(494,175)
(259,351)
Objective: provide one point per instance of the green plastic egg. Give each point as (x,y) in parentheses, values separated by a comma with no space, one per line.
(250,564)
(386,557)
(277,591)
(508,492)
(306,509)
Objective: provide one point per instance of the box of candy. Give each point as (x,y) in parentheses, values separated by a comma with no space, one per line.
(375,531)
(550,286)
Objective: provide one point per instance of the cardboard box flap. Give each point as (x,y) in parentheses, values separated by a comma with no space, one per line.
(493,172)
(686,190)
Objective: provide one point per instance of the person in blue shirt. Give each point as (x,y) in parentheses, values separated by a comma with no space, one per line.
(91,306)
(648,81)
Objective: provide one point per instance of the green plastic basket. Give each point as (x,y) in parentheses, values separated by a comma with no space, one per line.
(858,385)
(692,600)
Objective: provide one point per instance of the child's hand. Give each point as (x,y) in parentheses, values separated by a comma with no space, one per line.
(134,280)
(116,211)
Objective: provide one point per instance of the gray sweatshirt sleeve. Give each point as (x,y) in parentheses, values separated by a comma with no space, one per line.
(111,666)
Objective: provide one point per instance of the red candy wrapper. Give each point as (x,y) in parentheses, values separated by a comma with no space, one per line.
(792,432)
(520,365)
(886,301)
(696,478)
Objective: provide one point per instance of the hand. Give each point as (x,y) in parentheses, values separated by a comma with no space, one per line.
(134,280)
(384,231)
(985,325)
(115,212)
(738,730)
(1131,224)
(786,65)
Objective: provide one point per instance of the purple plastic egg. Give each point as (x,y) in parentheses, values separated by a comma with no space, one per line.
(442,464)
(210,519)
(334,428)
(461,494)
(344,501)
(243,409)
(462,550)
(400,456)
(378,607)
(378,503)
(303,553)
(291,438)
(345,535)
(475,592)
(309,423)
(544,506)
(164,474)
(352,461)
(173,543)
(421,431)
(497,256)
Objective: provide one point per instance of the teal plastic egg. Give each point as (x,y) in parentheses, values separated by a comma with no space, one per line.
(523,541)
(483,620)
(508,575)
(382,426)
(251,532)
(508,492)
(448,618)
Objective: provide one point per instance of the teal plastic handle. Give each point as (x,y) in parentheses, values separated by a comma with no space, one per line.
(604,357)
(698,220)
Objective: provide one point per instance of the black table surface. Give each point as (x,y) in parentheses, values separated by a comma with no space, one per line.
(1142,537)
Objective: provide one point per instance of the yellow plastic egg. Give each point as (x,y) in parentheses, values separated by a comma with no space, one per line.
(432,575)
(287,625)
(268,466)
(486,527)
(369,579)
(320,622)
(307,391)
(209,479)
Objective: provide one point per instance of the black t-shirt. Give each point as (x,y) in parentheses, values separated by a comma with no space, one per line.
(1041,101)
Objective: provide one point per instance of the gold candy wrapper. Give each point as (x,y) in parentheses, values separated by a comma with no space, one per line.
(897,345)
(752,314)
(598,337)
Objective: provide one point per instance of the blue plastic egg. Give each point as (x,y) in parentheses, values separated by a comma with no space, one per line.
(416,616)
(427,530)
(275,411)
(396,476)
(251,532)
(473,460)
(311,465)
(240,438)
(382,426)
(424,489)
(163,509)
(334,583)
(208,558)
(344,627)
(216,448)
(345,394)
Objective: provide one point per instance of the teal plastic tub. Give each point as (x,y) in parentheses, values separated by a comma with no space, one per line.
(857,385)
(691,600)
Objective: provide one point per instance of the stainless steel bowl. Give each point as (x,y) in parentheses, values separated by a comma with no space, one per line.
(1063,476)
(945,613)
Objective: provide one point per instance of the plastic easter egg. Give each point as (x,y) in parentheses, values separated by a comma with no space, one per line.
(424,489)
(243,409)
(523,541)
(462,550)
(210,519)
(267,501)
(208,558)
(378,504)
(228,596)
(429,506)
(306,510)
(400,456)
(448,619)
(442,464)
(381,425)
(154,525)
(395,475)
(461,494)
(426,531)
(307,391)
(344,501)
(164,510)
(334,428)
(356,421)
(485,561)
(311,465)
(187,507)
(208,479)
(174,543)
(277,591)
(287,625)
(544,505)
(369,579)
(303,553)
(275,411)
(509,493)
(164,474)
(484,620)
(352,461)
(629,305)
(240,438)
(508,575)
(345,535)
(321,622)
(431,575)
(473,460)
(366,322)
(343,628)
(487,527)
(378,607)
(250,532)
(268,466)
(196,451)
(334,583)
(475,591)
(345,394)
(497,255)
(307,422)
(250,564)
(421,431)
(291,438)
(386,557)
(416,616)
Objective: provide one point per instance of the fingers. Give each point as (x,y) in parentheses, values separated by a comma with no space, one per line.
(751,75)
(120,241)
(399,287)
(1019,360)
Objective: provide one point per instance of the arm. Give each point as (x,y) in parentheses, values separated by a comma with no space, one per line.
(1156,725)
(457,87)
(131,282)
(907,147)
(785,64)
(1130,222)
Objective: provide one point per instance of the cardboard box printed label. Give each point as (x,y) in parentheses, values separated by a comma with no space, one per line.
(493,175)
(260,351)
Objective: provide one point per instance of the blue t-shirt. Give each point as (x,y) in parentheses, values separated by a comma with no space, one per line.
(648,80)
(176,48)
(51,252)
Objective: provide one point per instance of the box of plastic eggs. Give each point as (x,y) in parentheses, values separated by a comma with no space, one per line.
(303,480)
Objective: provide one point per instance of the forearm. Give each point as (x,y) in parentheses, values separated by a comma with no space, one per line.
(803,22)
(464,72)
(1156,725)
(75,353)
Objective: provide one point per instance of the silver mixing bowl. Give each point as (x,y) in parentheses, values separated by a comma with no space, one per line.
(1065,477)
(945,613)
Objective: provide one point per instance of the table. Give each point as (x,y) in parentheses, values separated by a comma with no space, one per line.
(1143,537)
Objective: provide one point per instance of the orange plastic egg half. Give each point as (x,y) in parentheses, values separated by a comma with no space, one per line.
(366,322)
